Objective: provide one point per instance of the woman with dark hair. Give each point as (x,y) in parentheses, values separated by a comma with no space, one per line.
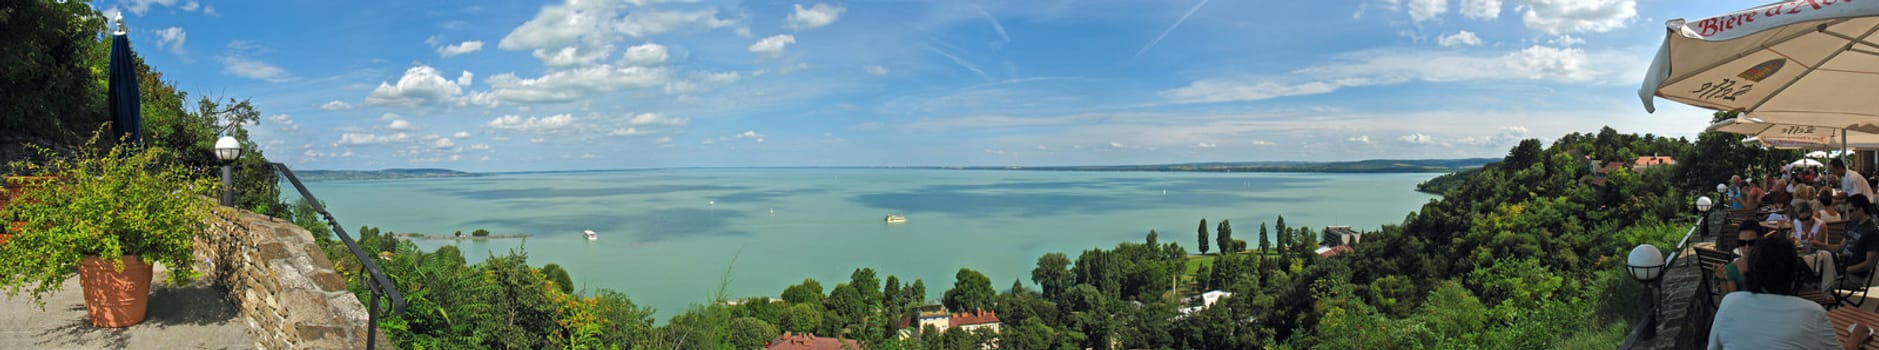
(1746,235)
(1767,315)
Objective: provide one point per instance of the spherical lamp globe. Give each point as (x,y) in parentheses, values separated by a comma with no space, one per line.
(1645,262)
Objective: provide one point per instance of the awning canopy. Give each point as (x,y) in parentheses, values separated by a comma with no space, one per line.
(1807,62)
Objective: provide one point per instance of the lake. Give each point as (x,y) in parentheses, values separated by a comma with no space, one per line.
(668,236)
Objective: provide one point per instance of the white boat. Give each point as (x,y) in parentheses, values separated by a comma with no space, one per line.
(591,235)
(895,219)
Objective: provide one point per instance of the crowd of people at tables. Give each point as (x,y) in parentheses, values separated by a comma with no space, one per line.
(1786,250)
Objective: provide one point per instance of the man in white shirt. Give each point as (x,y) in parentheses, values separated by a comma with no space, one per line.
(1851,182)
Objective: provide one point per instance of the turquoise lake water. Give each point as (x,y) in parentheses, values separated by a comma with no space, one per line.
(666,244)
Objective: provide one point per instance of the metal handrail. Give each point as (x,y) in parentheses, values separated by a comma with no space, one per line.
(378,284)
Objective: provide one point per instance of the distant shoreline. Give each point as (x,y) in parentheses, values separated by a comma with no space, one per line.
(1374,166)
(462,238)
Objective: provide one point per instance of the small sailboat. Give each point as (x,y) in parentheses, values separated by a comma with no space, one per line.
(591,235)
(895,219)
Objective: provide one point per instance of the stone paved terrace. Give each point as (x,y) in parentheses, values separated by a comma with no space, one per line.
(195,316)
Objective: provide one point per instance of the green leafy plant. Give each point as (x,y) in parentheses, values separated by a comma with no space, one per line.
(108,201)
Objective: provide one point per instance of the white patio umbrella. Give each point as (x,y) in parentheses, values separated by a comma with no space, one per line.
(1818,155)
(1791,62)
(1805,163)
(1794,136)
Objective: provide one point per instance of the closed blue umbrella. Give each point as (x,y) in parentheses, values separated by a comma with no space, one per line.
(126,117)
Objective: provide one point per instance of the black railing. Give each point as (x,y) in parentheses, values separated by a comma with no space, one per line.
(380,286)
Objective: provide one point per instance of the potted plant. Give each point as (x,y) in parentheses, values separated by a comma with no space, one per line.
(105,215)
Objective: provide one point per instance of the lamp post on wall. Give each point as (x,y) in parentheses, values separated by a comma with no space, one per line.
(227,149)
(1646,264)
(1703,205)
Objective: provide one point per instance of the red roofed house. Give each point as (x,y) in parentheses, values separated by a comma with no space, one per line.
(974,321)
(1326,252)
(1651,161)
(791,341)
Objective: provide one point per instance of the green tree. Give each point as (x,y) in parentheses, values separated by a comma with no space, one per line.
(751,333)
(1225,236)
(971,291)
(892,298)
(1203,236)
(55,58)
(916,292)
(848,305)
(559,276)
(523,314)
(1052,274)
(807,292)
(866,282)
(480,233)
(1265,239)
(802,318)
(1285,238)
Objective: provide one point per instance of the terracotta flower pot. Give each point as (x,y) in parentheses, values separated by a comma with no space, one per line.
(115,299)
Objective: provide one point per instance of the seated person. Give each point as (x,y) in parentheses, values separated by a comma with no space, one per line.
(1806,227)
(1746,235)
(1827,212)
(1767,315)
(1860,250)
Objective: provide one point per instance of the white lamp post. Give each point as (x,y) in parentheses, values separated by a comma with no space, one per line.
(227,149)
(1646,264)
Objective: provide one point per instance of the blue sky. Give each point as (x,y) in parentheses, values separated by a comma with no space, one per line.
(586,84)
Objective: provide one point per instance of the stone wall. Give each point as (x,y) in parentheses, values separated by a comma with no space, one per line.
(281,281)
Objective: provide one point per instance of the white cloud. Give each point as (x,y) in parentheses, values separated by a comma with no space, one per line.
(751,134)
(399,125)
(443,142)
(1566,16)
(1205,145)
(336,105)
(700,82)
(420,86)
(1462,38)
(774,45)
(1373,68)
(1424,10)
(646,22)
(585,32)
(238,62)
(875,69)
(664,139)
(572,56)
(172,39)
(1418,138)
(648,54)
(284,122)
(656,119)
(628,132)
(461,134)
(542,125)
(460,48)
(1113,144)
(1261,143)
(479,147)
(1566,40)
(1364,139)
(588,156)
(813,17)
(140,6)
(573,84)
(360,139)
(1484,10)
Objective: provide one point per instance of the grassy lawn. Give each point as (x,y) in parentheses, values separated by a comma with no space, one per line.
(1194,263)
